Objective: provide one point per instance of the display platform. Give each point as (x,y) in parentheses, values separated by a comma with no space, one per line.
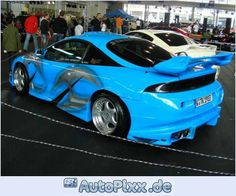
(39,139)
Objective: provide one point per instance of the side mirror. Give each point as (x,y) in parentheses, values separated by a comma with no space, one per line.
(39,53)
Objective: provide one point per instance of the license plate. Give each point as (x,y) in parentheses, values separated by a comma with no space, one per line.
(203,100)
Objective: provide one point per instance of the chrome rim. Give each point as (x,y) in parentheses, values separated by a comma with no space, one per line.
(105,116)
(19,79)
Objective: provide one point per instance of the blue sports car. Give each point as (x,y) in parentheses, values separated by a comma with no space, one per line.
(126,86)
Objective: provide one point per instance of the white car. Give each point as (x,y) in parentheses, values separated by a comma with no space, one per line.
(177,44)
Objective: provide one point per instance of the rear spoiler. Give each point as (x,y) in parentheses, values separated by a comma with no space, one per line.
(202,46)
(179,64)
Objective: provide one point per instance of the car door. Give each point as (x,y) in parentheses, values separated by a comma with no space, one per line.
(56,65)
(98,66)
(77,83)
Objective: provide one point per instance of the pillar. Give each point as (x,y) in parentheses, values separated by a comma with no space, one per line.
(217,15)
(193,10)
(146,10)
(58,7)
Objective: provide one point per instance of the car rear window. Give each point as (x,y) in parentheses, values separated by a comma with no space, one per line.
(139,52)
(172,39)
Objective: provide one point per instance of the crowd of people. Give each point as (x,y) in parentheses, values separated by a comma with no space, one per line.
(115,24)
(210,31)
(52,29)
(34,26)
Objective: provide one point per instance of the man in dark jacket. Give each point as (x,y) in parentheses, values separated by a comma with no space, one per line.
(11,40)
(96,22)
(59,27)
(45,33)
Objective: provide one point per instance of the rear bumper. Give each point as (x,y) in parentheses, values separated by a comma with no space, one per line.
(157,118)
(185,129)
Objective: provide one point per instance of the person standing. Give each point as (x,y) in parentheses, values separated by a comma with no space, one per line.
(132,25)
(92,24)
(52,21)
(119,23)
(11,40)
(10,14)
(108,24)
(215,30)
(206,36)
(69,25)
(59,27)
(75,23)
(189,28)
(79,28)
(125,26)
(103,26)
(3,19)
(138,24)
(195,28)
(146,25)
(45,33)
(113,25)
(96,22)
(31,29)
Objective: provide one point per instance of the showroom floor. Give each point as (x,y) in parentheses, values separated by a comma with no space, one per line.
(39,139)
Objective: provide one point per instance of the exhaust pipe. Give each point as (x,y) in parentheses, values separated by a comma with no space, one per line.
(180,135)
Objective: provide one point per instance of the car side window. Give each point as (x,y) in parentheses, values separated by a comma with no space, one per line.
(141,35)
(71,51)
(144,36)
(172,39)
(94,56)
(131,33)
(135,34)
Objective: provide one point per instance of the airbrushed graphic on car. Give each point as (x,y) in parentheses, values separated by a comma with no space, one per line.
(71,76)
(126,86)
(30,59)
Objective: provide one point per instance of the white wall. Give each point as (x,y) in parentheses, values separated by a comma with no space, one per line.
(94,7)
(3,5)
(17,8)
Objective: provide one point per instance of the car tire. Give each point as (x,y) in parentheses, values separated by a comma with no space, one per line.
(110,115)
(21,79)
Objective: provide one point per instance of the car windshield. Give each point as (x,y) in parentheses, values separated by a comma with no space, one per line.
(139,52)
(173,39)
(191,41)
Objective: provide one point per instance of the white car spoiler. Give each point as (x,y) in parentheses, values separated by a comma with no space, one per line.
(196,48)
(208,46)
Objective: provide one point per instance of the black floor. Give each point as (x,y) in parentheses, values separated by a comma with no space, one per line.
(39,139)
